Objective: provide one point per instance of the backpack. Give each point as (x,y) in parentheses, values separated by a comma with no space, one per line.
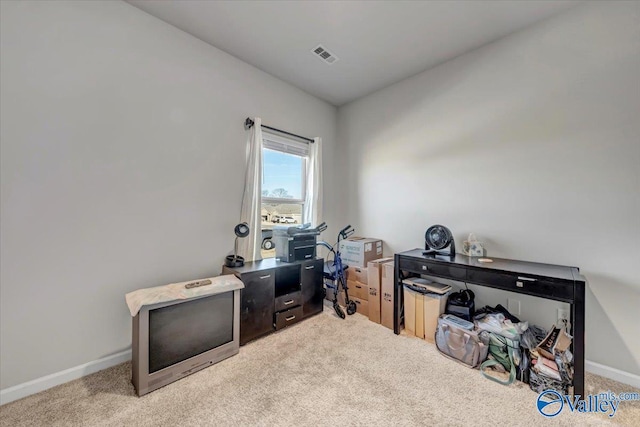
(502,351)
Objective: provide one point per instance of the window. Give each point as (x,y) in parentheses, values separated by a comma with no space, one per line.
(284,186)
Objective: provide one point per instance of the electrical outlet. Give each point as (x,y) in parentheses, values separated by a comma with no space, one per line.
(563,314)
(513,305)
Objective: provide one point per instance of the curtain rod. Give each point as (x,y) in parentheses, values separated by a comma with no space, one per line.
(249,123)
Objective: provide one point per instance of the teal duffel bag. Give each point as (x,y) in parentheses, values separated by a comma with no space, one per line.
(502,351)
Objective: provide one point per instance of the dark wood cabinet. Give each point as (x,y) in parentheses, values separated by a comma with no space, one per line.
(312,290)
(277,294)
(256,304)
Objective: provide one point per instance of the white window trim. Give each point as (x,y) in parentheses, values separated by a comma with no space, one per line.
(297,147)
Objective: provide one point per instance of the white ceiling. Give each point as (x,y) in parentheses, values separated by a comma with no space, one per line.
(377,43)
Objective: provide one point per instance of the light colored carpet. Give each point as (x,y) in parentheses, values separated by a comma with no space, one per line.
(323,371)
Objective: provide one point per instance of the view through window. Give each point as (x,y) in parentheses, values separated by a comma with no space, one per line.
(283,186)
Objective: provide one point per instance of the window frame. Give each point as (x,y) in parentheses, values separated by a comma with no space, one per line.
(291,142)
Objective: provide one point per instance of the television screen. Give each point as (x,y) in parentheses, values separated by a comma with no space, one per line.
(181,331)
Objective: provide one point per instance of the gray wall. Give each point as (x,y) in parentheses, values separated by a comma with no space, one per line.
(123,159)
(531,142)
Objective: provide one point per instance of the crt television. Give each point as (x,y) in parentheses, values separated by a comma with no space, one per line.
(174,339)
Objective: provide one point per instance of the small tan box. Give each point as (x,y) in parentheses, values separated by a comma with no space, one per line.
(358,290)
(362,306)
(358,274)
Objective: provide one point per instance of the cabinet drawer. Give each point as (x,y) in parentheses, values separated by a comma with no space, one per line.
(529,285)
(433,268)
(288,301)
(289,317)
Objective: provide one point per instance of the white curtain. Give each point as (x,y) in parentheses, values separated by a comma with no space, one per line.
(249,247)
(313,199)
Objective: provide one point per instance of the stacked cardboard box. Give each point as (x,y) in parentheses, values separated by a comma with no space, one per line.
(358,288)
(357,252)
(375,270)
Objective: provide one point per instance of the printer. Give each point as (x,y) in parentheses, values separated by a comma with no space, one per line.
(296,243)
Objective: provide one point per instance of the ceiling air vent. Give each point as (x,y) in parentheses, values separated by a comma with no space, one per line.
(324,54)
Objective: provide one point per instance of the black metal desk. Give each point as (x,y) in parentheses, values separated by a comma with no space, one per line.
(555,282)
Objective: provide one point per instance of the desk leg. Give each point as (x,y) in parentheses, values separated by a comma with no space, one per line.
(578,326)
(397,297)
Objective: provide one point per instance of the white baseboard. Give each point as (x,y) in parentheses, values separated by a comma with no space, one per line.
(613,374)
(43,383)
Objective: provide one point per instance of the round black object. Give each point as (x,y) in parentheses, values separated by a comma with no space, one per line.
(233,261)
(267,244)
(351,308)
(438,237)
(242,229)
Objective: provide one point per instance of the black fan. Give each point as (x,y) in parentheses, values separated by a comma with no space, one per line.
(439,241)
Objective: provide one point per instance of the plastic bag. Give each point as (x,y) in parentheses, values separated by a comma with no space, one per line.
(498,324)
(532,337)
(522,373)
(565,367)
(540,383)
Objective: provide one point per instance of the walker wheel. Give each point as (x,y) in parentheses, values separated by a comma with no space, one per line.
(338,310)
(351,308)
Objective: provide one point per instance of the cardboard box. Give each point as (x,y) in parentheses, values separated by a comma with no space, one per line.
(358,290)
(414,318)
(556,340)
(362,306)
(374,278)
(358,274)
(386,295)
(374,304)
(434,306)
(358,251)
(410,311)
(420,303)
